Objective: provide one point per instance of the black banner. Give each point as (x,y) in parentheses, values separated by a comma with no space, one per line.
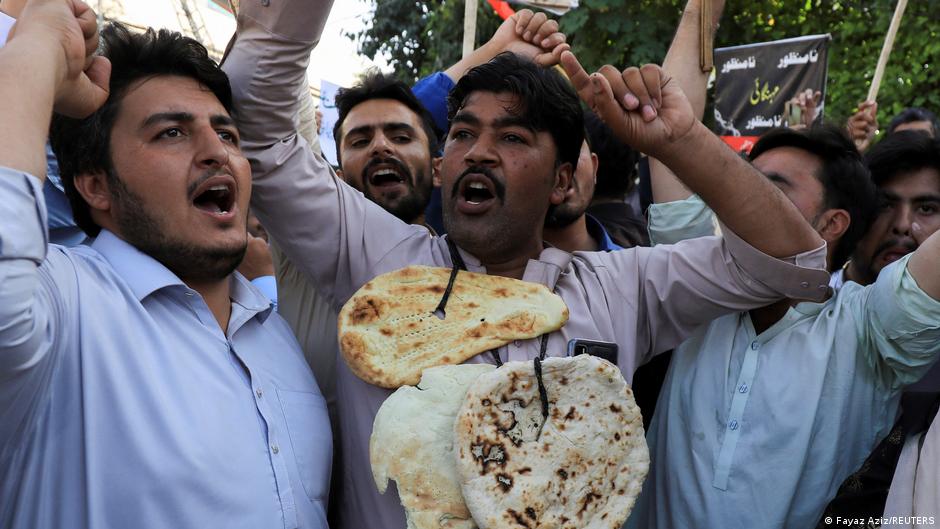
(753,82)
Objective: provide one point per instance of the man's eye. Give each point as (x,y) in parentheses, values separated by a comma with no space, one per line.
(514,138)
(172,132)
(927,209)
(460,134)
(360,142)
(402,138)
(228,136)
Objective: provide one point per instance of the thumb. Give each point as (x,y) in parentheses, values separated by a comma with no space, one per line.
(919,233)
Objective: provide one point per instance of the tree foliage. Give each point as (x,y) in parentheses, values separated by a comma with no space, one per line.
(422,37)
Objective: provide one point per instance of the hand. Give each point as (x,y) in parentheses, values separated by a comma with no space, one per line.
(531,35)
(257,261)
(642,107)
(71,27)
(807,100)
(863,125)
(12,8)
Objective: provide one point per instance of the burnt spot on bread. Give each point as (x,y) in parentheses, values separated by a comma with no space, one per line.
(489,455)
(616,409)
(524,470)
(530,512)
(516,517)
(563,381)
(562,474)
(475,332)
(616,436)
(586,502)
(504,481)
(366,310)
(386,331)
(572,414)
(501,293)
(435,289)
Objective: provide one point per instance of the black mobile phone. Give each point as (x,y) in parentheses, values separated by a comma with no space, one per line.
(605,350)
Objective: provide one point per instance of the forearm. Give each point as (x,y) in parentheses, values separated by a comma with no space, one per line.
(745,201)
(924,266)
(28,76)
(682,65)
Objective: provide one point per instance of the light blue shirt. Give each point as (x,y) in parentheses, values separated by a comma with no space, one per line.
(123,404)
(759,430)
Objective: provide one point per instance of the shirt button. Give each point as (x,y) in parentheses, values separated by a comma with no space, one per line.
(517,343)
(741,389)
(275,449)
(804,284)
(733,425)
(259,393)
(190,294)
(755,345)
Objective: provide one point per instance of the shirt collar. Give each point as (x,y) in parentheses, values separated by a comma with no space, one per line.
(145,275)
(6,24)
(598,233)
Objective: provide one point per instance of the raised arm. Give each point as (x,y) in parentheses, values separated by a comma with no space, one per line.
(649,111)
(327,229)
(924,265)
(529,34)
(682,65)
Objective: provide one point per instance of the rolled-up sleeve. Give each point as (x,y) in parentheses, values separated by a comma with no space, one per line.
(671,222)
(669,290)
(327,229)
(902,326)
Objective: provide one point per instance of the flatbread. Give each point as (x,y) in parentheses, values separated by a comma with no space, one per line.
(413,443)
(388,332)
(583,470)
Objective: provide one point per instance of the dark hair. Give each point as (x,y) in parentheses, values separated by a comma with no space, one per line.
(616,161)
(374,84)
(83,145)
(912,114)
(905,151)
(846,181)
(546,101)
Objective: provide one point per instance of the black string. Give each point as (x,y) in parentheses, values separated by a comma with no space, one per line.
(543,394)
(458,264)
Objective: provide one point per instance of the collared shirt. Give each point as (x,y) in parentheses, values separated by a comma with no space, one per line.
(759,430)
(123,404)
(598,233)
(62,227)
(644,299)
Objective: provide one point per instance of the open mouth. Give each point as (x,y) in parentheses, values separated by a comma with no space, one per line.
(386,176)
(216,196)
(475,194)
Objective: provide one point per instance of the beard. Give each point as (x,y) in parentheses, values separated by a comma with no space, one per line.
(562,215)
(145,231)
(408,206)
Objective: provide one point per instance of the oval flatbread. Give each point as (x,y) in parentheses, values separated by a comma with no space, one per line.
(582,468)
(389,334)
(413,443)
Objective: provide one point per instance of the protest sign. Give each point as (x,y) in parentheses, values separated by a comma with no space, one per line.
(753,82)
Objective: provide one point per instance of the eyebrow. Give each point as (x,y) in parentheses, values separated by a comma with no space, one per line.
(499,123)
(390,126)
(777,177)
(185,117)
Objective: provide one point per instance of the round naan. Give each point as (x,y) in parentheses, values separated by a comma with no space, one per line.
(582,468)
(389,333)
(413,443)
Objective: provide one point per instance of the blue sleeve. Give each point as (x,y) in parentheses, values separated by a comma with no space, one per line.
(432,92)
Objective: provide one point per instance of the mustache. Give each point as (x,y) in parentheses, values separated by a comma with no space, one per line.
(398,164)
(906,243)
(205,176)
(498,186)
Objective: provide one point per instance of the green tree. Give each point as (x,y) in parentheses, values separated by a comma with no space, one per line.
(423,37)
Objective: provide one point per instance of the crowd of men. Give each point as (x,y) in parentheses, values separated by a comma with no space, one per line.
(148,378)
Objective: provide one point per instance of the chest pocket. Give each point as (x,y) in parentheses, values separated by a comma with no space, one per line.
(310,438)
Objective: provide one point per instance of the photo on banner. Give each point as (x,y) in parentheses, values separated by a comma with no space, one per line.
(753,83)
